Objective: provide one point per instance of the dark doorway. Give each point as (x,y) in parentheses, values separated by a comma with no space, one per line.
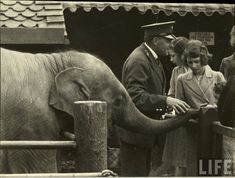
(110,34)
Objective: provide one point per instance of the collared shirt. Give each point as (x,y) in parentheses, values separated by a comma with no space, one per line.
(152,52)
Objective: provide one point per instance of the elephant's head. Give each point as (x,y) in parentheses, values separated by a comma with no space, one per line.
(91,79)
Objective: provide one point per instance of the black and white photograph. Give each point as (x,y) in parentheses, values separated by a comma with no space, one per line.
(117,89)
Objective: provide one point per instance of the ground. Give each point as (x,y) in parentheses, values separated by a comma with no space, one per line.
(67,163)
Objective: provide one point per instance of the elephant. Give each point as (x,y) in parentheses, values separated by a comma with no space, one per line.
(37,96)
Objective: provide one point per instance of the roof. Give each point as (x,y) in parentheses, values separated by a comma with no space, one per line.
(31,21)
(42,22)
(31,13)
(168,8)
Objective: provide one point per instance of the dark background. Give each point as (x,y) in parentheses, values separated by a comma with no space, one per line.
(112,35)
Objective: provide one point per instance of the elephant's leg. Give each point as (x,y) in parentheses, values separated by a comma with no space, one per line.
(3,162)
(32,161)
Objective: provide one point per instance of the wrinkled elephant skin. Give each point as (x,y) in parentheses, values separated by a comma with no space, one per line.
(38,90)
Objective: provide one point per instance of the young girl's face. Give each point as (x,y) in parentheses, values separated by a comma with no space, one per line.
(195,64)
(174,57)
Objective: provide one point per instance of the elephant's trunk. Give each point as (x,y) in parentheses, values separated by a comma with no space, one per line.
(138,122)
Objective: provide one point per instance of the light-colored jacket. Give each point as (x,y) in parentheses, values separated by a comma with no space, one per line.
(175,73)
(194,94)
(181,144)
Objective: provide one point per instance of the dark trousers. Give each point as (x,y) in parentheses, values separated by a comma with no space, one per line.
(135,161)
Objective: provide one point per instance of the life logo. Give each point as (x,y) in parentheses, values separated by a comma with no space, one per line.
(215,167)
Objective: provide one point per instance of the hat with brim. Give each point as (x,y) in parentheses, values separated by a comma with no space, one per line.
(163,29)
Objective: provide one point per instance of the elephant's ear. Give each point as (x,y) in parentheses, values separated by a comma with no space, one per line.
(69,87)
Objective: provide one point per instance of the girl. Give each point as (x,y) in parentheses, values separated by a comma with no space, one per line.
(195,87)
(176,51)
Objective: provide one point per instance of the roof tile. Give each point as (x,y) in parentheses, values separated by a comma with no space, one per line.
(50,12)
(28,2)
(3,17)
(35,7)
(55,19)
(36,18)
(18,7)
(20,18)
(42,24)
(28,13)
(31,14)
(47,2)
(53,6)
(11,23)
(11,13)
(10,3)
(29,23)
(3,7)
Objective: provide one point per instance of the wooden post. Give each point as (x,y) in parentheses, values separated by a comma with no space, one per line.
(90,127)
(217,146)
(205,138)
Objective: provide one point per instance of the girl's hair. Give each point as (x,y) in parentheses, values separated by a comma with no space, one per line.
(178,45)
(196,48)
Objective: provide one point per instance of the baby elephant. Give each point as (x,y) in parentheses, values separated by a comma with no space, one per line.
(37,96)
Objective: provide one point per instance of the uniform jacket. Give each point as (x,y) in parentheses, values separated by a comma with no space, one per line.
(227,66)
(195,95)
(144,78)
(226,104)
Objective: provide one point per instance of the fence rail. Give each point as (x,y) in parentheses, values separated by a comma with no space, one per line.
(67,175)
(37,144)
(218,128)
(90,128)
(207,126)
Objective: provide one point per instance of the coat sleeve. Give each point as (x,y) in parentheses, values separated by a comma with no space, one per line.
(223,68)
(179,93)
(135,79)
(226,104)
(220,77)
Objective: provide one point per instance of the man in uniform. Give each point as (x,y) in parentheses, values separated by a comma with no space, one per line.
(144,78)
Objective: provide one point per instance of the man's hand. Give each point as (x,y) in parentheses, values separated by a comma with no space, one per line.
(178,105)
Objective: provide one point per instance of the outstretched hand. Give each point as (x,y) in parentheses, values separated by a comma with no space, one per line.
(178,105)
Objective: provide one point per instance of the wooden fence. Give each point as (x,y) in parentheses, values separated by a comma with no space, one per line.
(210,134)
(90,126)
